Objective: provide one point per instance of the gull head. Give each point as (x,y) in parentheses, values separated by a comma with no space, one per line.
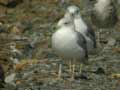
(66,21)
(73,10)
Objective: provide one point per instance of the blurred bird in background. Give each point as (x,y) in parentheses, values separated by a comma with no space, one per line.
(104,16)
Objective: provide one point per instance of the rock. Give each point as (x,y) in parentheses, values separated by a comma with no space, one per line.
(82,76)
(13,3)
(10,78)
(10,3)
(111,42)
(4,1)
(16,30)
(100,71)
(14,60)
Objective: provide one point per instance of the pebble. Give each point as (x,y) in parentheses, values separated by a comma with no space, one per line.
(10,78)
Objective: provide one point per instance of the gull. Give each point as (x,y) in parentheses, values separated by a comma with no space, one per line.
(69,44)
(104,15)
(82,27)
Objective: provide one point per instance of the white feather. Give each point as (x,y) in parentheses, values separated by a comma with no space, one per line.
(64,42)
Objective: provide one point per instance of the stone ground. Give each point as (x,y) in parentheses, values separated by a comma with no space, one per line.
(33,66)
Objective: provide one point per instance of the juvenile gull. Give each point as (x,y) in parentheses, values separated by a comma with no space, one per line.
(69,44)
(82,27)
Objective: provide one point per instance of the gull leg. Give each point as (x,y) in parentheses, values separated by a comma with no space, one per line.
(60,71)
(73,72)
(70,66)
(81,66)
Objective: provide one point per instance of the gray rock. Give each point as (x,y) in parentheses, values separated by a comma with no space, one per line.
(10,78)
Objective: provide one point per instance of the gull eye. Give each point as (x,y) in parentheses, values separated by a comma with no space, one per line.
(66,23)
(77,11)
